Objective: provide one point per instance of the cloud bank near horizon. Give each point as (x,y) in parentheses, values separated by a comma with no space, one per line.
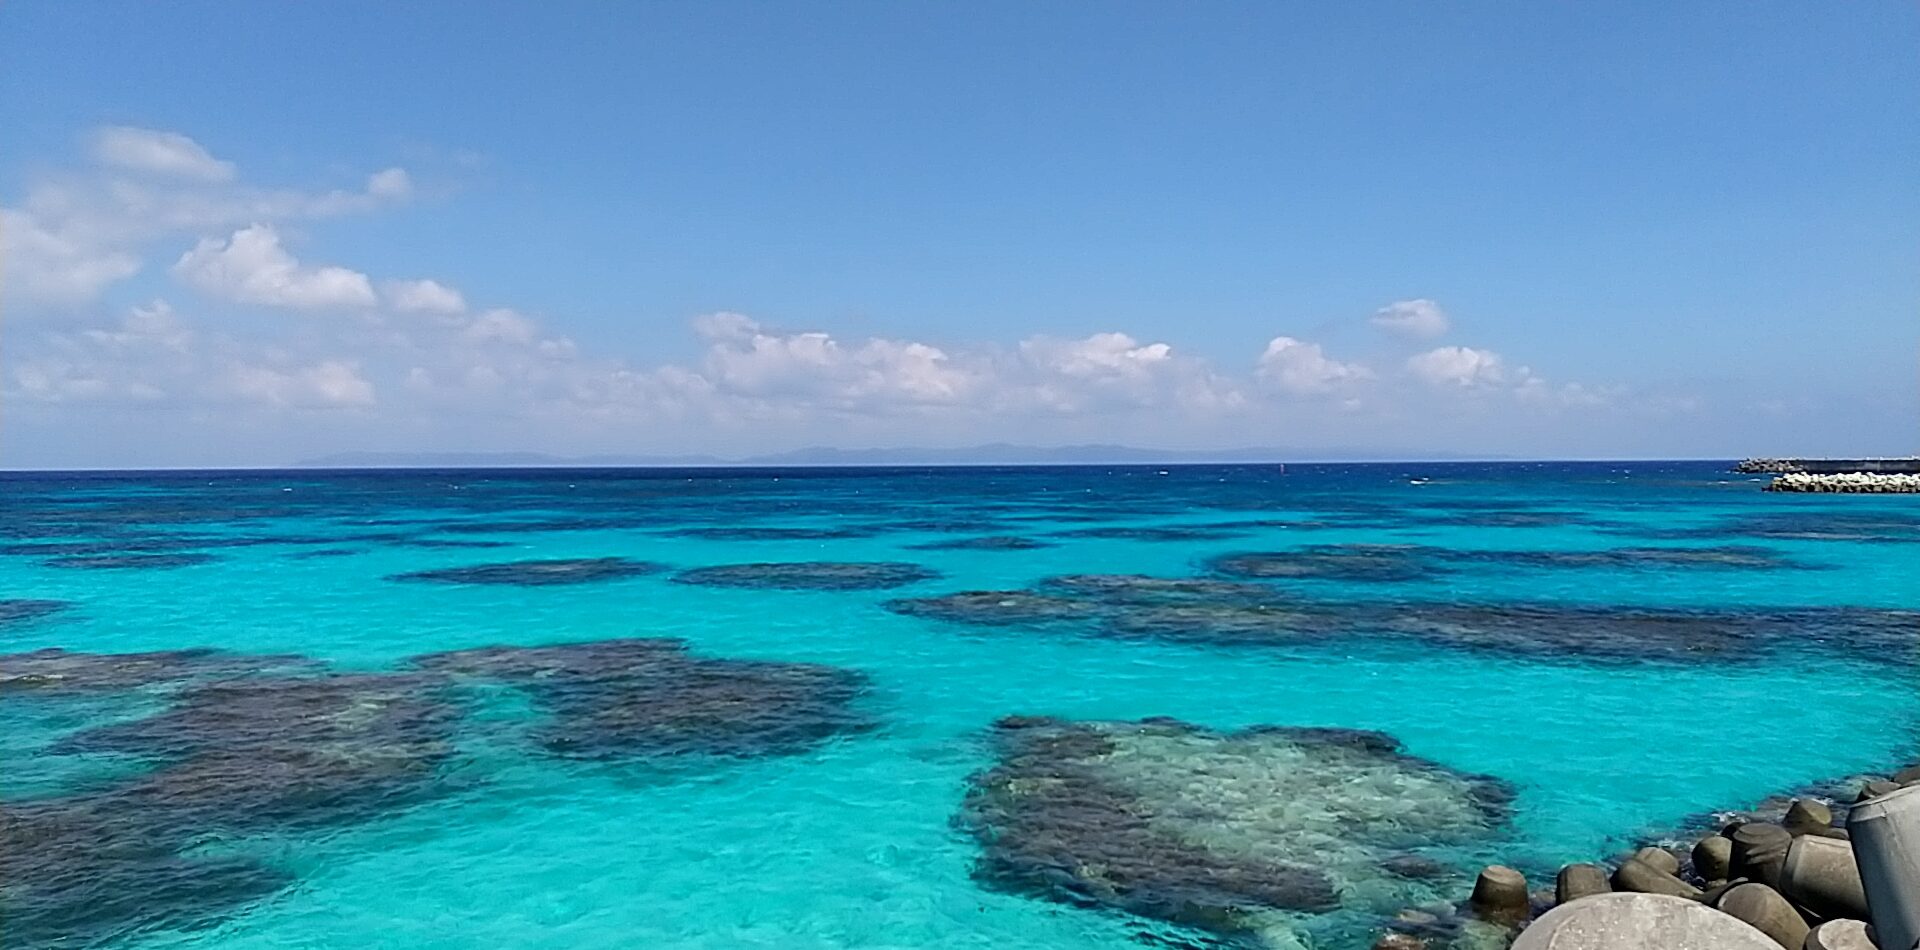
(234,333)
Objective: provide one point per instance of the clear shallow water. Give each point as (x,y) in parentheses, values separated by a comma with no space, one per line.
(851,843)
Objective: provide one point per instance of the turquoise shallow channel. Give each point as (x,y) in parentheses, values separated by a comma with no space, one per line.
(1618,646)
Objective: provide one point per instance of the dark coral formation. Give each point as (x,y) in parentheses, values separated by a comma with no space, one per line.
(72,874)
(997,608)
(809,575)
(538,573)
(1168,533)
(1388,563)
(650,697)
(115,562)
(1146,589)
(1215,611)
(57,670)
(1227,833)
(995,542)
(1871,527)
(277,750)
(1723,557)
(234,757)
(771,533)
(1394,563)
(21,610)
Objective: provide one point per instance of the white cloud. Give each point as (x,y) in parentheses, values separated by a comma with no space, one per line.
(159,153)
(1460,366)
(745,358)
(1300,367)
(77,233)
(1412,318)
(392,184)
(330,384)
(1111,355)
(42,265)
(424,296)
(253,267)
(501,325)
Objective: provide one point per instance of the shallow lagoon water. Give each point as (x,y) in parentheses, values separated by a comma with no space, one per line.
(852,843)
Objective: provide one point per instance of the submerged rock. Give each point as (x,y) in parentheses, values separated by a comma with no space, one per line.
(650,697)
(538,573)
(22,610)
(809,575)
(1223,832)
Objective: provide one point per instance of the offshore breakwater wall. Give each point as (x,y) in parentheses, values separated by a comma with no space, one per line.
(1848,483)
(1828,466)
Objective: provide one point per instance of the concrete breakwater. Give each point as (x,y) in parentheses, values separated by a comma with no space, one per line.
(1853,483)
(1785,868)
(1909,465)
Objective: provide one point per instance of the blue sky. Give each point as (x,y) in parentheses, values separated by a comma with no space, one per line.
(241,233)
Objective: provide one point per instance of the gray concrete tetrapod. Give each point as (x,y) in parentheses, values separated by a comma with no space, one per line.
(1713,858)
(1500,894)
(1886,846)
(1580,880)
(1766,910)
(1643,878)
(1820,875)
(1639,922)
(1875,788)
(1807,817)
(1758,851)
(1660,858)
(1840,935)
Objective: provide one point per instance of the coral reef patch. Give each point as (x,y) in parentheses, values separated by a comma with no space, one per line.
(537,573)
(809,575)
(650,697)
(1248,833)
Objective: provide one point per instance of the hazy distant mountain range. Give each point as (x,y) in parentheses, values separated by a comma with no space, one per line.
(993,454)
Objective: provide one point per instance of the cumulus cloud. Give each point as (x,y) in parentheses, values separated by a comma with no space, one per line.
(1102,355)
(1296,366)
(392,184)
(77,233)
(253,267)
(44,265)
(420,351)
(159,153)
(746,358)
(330,384)
(1458,366)
(424,296)
(1421,318)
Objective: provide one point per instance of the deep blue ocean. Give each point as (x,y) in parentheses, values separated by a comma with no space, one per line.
(1619,645)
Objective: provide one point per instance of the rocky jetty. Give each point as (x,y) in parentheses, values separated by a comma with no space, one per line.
(1848,483)
(1785,869)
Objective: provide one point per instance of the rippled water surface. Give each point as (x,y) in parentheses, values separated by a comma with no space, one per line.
(795,772)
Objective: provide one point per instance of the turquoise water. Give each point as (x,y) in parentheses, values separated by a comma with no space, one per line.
(851,842)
